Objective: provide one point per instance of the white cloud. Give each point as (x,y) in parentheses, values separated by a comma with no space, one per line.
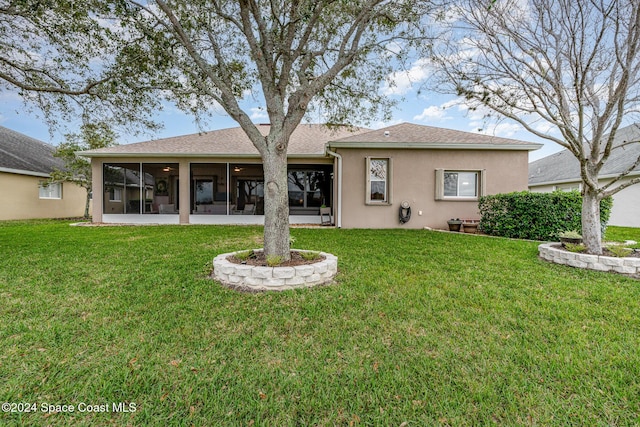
(258,113)
(401,82)
(432,113)
(504,130)
(545,127)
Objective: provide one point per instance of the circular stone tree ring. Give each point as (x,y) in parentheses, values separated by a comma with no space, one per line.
(260,278)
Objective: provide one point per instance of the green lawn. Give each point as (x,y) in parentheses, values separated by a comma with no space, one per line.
(422,328)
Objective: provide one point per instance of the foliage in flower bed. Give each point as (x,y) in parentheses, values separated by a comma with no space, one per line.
(535,216)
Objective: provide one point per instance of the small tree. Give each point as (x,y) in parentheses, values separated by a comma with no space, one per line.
(572,66)
(77,169)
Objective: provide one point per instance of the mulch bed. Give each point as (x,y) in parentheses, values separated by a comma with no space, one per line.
(258,259)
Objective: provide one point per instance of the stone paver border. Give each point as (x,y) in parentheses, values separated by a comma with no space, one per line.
(629,266)
(257,278)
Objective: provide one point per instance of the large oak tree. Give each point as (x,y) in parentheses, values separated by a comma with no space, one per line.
(290,55)
(117,59)
(566,65)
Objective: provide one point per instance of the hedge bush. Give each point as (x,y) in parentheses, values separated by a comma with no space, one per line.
(535,216)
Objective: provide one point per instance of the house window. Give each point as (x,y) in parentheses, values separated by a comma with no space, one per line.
(568,187)
(50,190)
(378,177)
(115,194)
(460,184)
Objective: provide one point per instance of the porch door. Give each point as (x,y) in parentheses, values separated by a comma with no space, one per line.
(204,191)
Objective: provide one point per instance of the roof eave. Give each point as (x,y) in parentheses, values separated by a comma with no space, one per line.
(434,146)
(193,155)
(577,179)
(25,172)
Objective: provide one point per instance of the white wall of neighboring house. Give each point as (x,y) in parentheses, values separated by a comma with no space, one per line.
(626,207)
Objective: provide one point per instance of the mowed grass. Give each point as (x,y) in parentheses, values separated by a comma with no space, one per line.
(422,328)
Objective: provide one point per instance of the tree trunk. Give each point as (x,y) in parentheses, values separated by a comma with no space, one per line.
(276,205)
(86,205)
(591,230)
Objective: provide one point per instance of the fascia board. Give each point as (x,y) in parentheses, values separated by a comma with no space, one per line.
(191,155)
(577,179)
(25,172)
(434,146)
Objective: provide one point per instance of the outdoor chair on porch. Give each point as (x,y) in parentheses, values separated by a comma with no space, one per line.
(325,216)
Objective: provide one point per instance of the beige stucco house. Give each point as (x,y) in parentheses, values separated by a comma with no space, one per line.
(363,175)
(25,165)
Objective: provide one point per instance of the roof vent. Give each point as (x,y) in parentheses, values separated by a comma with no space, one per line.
(386,133)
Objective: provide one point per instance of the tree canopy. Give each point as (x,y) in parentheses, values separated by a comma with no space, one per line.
(69,59)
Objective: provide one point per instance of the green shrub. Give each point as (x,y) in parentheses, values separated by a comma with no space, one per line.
(244,255)
(620,250)
(570,234)
(274,260)
(535,216)
(575,247)
(310,255)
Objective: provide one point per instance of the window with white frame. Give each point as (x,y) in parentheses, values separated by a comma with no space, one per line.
(115,194)
(378,180)
(568,187)
(50,190)
(458,184)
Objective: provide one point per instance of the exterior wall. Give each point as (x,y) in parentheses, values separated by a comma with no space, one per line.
(413,178)
(542,189)
(626,207)
(626,203)
(21,200)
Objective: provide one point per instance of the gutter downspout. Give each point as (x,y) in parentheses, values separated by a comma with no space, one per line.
(339,210)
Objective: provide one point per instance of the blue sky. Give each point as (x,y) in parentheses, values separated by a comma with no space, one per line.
(415,106)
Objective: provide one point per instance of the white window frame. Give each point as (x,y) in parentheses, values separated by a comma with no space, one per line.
(387,199)
(50,190)
(480,184)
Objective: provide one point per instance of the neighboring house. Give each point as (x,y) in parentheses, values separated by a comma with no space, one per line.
(363,175)
(561,171)
(25,164)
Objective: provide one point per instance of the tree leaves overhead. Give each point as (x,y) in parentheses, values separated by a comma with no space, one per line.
(66,58)
(284,53)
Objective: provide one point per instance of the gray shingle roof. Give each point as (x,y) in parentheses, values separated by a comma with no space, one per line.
(307,139)
(564,167)
(20,152)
